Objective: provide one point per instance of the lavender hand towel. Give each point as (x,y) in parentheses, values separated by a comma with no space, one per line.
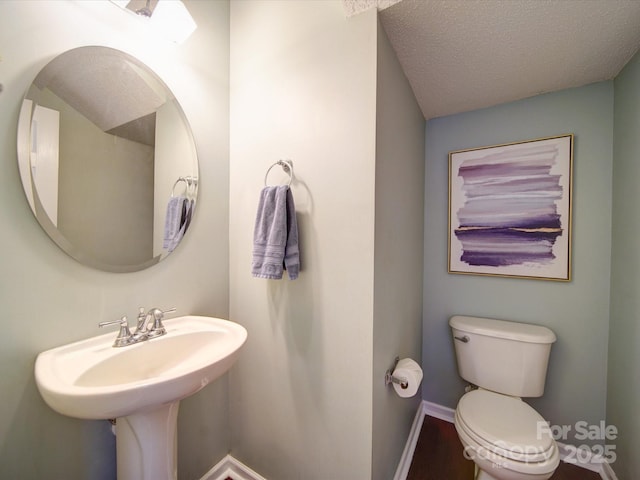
(275,235)
(173,222)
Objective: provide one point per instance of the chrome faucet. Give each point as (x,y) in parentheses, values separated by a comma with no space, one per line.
(150,323)
(149,326)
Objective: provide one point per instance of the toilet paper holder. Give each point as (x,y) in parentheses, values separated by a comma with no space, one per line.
(390,378)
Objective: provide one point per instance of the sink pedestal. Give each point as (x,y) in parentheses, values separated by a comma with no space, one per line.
(146,444)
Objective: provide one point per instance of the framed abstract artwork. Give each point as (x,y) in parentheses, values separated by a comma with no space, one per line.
(510,209)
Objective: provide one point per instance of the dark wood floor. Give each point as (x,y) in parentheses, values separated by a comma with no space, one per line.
(438,456)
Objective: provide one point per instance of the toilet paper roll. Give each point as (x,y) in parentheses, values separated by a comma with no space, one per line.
(410,371)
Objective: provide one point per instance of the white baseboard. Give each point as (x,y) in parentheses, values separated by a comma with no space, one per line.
(585,458)
(230,467)
(425,408)
(410,447)
(581,457)
(438,411)
(607,472)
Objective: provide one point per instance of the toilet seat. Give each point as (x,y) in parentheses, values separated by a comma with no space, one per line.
(507,429)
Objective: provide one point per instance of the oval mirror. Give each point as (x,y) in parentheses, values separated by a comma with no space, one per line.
(107,159)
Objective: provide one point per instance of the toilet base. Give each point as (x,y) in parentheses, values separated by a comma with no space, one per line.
(507,474)
(482,475)
(490,466)
(486,468)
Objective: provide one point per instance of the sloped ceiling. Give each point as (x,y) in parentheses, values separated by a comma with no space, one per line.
(116,95)
(461,55)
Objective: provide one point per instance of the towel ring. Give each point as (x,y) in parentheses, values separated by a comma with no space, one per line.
(189,181)
(287,166)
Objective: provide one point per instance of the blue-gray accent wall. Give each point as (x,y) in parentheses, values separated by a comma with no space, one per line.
(577,311)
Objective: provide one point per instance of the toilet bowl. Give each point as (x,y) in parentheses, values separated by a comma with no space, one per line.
(504,361)
(505,437)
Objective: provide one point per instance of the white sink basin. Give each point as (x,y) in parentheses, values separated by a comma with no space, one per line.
(93,380)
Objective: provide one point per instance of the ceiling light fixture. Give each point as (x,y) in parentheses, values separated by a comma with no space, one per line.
(169,18)
(146,10)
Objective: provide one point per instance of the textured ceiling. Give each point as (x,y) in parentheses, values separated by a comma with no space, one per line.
(353,7)
(113,93)
(461,55)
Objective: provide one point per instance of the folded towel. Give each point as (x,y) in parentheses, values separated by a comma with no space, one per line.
(275,235)
(174,222)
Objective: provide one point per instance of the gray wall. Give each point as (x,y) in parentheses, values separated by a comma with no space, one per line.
(307,396)
(578,311)
(48,299)
(399,207)
(303,87)
(113,195)
(623,394)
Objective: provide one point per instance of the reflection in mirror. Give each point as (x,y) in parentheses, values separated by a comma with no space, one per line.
(107,159)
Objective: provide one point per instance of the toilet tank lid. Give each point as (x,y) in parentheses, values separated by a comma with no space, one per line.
(522,332)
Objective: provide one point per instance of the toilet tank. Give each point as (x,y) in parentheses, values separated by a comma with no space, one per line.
(505,357)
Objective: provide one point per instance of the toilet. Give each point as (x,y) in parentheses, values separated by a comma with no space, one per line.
(505,437)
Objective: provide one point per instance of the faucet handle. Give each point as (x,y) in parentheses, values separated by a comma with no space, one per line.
(157,328)
(123,322)
(124,335)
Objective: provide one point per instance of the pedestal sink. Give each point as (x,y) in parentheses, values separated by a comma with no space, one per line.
(140,385)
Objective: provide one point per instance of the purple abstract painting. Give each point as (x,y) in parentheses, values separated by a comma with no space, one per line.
(510,209)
